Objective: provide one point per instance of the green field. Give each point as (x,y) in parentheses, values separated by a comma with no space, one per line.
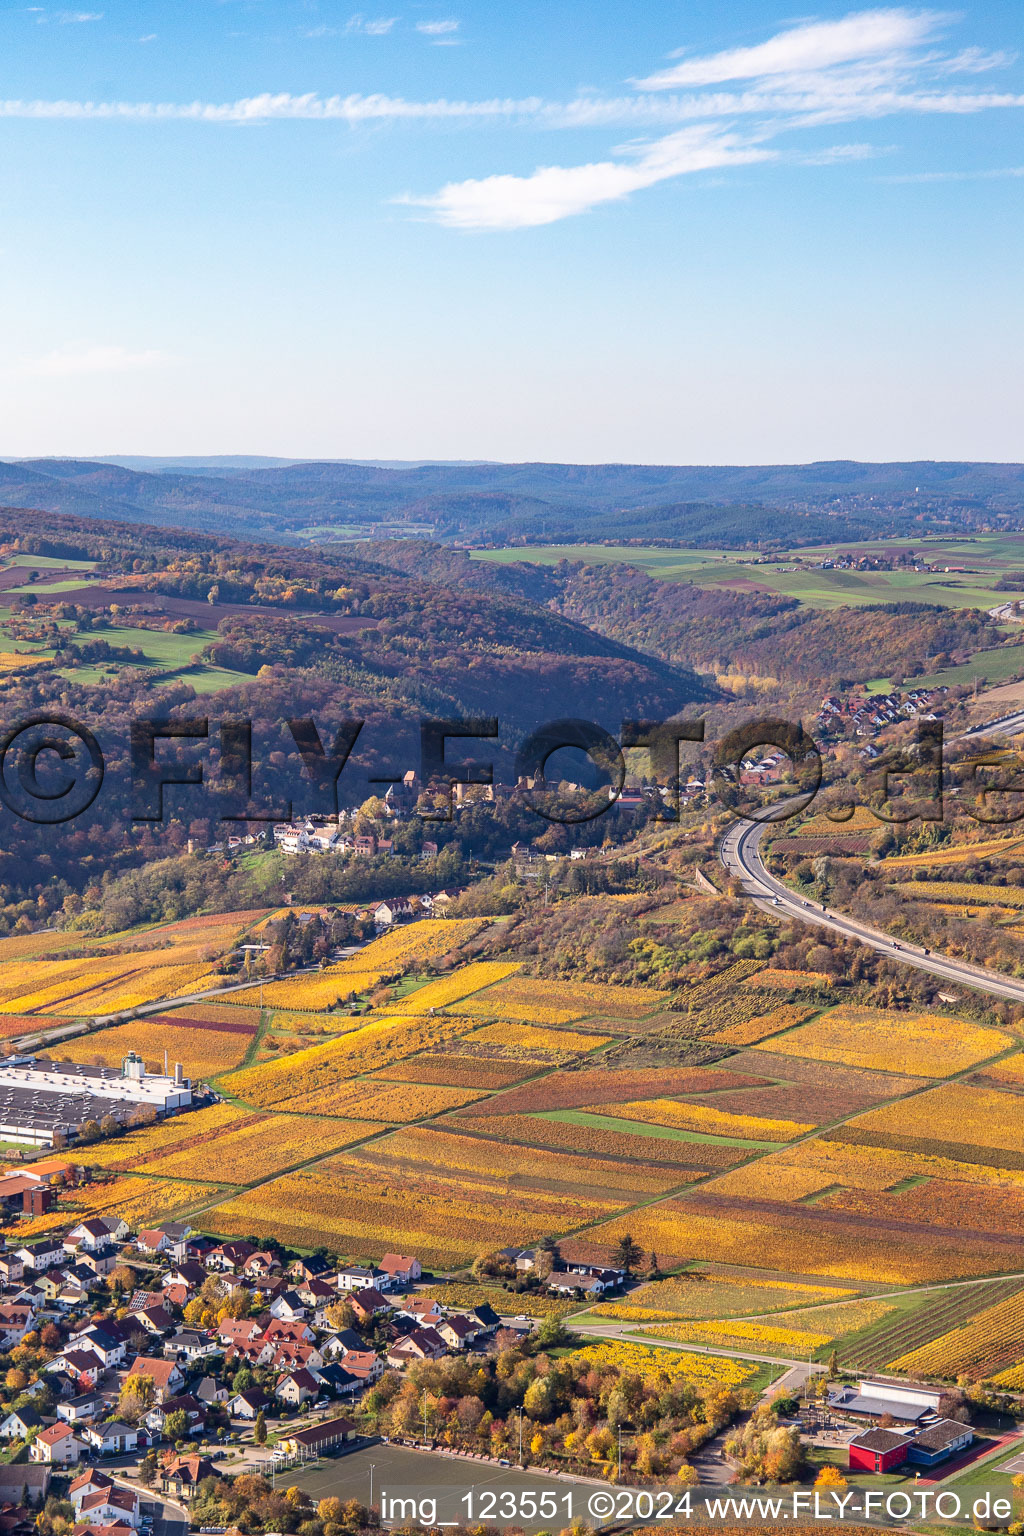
(798,573)
(165,653)
(645,1128)
(71,584)
(48,563)
(159,648)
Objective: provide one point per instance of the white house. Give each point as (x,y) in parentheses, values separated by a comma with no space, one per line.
(355,1278)
(57,1445)
(110,1439)
(19,1425)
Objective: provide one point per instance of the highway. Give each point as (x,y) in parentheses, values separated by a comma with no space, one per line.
(740,854)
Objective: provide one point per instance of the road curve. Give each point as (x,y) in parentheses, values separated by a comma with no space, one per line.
(740,854)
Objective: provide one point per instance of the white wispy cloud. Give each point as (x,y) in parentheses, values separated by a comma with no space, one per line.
(282,106)
(869,65)
(554,192)
(713,111)
(376,26)
(72,362)
(75,18)
(840,154)
(995,174)
(814,46)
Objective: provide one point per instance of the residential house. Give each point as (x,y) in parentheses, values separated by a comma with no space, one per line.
(191,1344)
(59,1382)
(82,1275)
(140,1300)
(421,1344)
(368,1304)
(26,1484)
(170,1240)
(287,1305)
(82,1409)
(110,1439)
(282,1330)
(18,1425)
(71,1296)
(239,1330)
(109,1506)
(338,1343)
(87,1235)
(317,1294)
(109,1346)
(290,1356)
(246,1405)
(155,1320)
(195,1413)
(246,1354)
(313,1268)
(229,1256)
(190,1274)
(16,1319)
(12,1268)
(356,1277)
(565,1282)
(181,1475)
(424,1310)
(57,1446)
(485,1316)
(458,1332)
(42,1255)
(365,1364)
(86,1483)
(178,1234)
(338,1381)
(166,1375)
(84,1366)
(258,1264)
(100,1260)
(297,1387)
(210,1391)
(401,1269)
(152,1241)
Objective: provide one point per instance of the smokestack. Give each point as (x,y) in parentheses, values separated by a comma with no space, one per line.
(179,1073)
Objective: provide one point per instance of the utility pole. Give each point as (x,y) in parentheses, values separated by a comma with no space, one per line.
(520,1436)
(424,1404)
(372,1465)
(619,1473)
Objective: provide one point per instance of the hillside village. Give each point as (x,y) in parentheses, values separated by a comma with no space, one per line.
(177,1361)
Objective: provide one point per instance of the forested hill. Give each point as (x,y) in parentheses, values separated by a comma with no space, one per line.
(712,629)
(704,505)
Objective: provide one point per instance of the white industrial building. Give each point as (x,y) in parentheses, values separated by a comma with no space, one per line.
(39,1098)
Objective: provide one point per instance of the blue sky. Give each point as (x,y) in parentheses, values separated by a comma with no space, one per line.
(713,233)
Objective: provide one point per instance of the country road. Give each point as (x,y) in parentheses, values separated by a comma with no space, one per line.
(740,854)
